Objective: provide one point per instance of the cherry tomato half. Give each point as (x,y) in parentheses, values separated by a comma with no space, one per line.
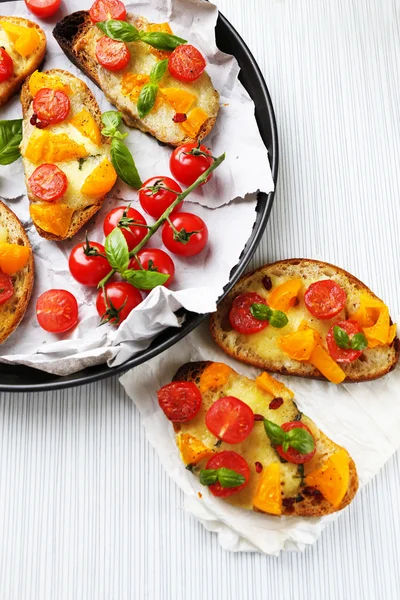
(155,200)
(292,455)
(51,106)
(117,301)
(6,288)
(180,401)
(343,355)
(6,65)
(57,311)
(153,259)
(43,8)
(48,182)
(129,221)
(112,55)
(240,316)
(87,268)
(229,460)
(186,63)
(185,224)
(325,299)
(186,167)
(230,419)
(103,10)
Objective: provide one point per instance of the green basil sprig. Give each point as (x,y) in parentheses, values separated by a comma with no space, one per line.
(227,478)
(298,438)
(342,339)
(262,312)
(121,156)
(122,31)
(10,139)
(149,91)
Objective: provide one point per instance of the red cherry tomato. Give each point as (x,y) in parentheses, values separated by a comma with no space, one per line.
(130,221)
(186,63)
(6,65)
(292,455)
(230,419)
(87,268)
(6,288)
(103,10)
(154,200)
(51,106)
(325,299)
(185,223)
(48,182)
(153,259)
(343,355)
(117,301)
(180,401)
(57,311)
(187,167)
(240,316)
(43,8)
(229,460)
(112,55)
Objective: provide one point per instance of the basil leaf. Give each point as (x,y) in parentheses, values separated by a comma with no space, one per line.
(160,40)
(341,337)
(274,432)
(119,30)
(262,312)
(229,478)
(358,342)
(147,98)
(10,139)
(208,476)
(111,121)
(117,250)
(124,164)
(145,280)
(301,440)
(278,319)
(157,72)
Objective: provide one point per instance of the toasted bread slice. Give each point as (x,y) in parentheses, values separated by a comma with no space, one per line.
(298,496)
(12,311)
(77,36)
(23,65)
(84,206)
(262,350)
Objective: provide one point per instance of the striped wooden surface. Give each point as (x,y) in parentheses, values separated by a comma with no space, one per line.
(86,511)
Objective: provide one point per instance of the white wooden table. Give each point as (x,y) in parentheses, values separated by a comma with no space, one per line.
(86,511)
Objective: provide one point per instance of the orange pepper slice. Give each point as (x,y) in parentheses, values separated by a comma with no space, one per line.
(215,375)
(38,80)
(26,39)
(101,180)
(195,119)
(180,100)
(192,449)
(380,331)
(268,497)
(284,295)
(54,218)
(326,365)
(332,479)
(269,384)
(299,345)
(13,257)
(86,124)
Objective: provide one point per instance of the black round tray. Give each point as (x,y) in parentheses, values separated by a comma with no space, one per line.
(17,378)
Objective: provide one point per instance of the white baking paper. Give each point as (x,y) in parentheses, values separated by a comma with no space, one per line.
(227,204)
(364,418)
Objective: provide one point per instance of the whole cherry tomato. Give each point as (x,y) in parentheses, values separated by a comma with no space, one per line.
(154,259)
(43,8)
(187,236)
(117,301)
(189,161)
(131,223)
(155,195)
(86,266)
(57,311)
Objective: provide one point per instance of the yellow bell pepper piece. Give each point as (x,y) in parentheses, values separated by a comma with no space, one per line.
(86,124)
(368,311)
(326,365)
(38,80)
(332,479)
(13,257)
(392,333)
(299,345)
(215,375)
(101,180)
(26,39)
(132,84)
(195,119)
(44,146)
(284,296)
(380,331)
(276,388)
(13,31)
(192,449)
(268,497)
(54,218)
(36,145)
(180,100)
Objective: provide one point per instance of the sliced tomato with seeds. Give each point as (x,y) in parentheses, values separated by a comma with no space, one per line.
(325,299)
(180,401)
(186,63)
(228,460)
(292,455)
(112,55)
(48,182)
(51,106)
(103,10)
(343,355)
(230,419)
(6,287)
(240,316)
(57,311)
(6,65)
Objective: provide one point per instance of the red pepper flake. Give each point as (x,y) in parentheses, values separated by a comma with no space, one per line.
(36,123)
(258,417)
(179,117)
(258,466)
(267,283)
(276,403)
